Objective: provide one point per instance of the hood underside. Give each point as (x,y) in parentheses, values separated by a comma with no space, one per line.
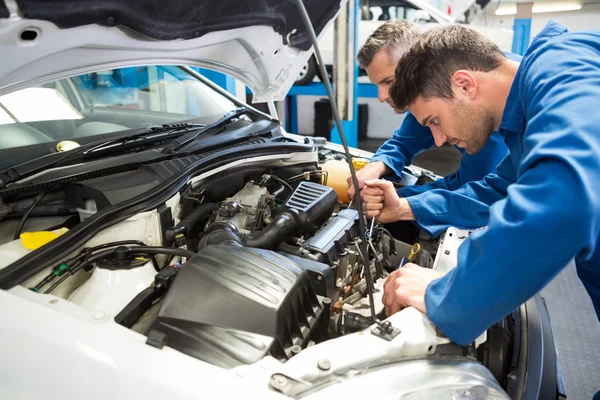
(261,42)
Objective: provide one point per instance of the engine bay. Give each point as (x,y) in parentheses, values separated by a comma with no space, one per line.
(259,259)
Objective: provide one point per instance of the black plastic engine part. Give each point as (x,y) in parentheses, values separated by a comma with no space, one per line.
(109,190)
(321,275)
(331,240)
(232,305)
(314,202)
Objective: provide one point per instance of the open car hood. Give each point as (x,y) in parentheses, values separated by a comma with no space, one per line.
(263,43)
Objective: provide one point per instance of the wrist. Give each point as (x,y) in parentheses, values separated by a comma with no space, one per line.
(379,167)
(404,212)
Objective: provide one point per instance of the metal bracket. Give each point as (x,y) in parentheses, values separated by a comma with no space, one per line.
(386,331)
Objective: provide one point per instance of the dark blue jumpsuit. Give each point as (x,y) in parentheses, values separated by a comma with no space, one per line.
(542,206)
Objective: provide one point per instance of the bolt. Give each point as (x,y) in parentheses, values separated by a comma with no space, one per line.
(280,380)
(324,364)
(447,252)
(319,277)
(98,316)
(296,349)
(512,376)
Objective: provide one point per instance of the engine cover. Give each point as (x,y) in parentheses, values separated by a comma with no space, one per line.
(233,305)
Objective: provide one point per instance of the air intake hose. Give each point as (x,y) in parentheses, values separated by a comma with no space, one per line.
(307,208)
(190,223)
(282,226)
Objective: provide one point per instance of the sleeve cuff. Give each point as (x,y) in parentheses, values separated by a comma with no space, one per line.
(435,290)
(389,162)
(424,216)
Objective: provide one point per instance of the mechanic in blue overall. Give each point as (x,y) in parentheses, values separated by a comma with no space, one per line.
(541,207)
(379,56)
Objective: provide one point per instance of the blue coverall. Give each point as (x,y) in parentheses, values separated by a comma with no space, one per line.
(542,206)
(413,138)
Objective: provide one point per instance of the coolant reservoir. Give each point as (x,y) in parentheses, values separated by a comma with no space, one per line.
(338,173)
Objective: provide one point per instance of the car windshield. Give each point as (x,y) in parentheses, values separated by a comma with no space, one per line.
(88,107)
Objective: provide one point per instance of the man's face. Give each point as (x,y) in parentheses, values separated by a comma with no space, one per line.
(457,121)
(381,73)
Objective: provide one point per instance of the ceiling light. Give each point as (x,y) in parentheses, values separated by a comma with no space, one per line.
(540,8)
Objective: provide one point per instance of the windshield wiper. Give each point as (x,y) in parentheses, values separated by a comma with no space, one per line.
(187,138)
(34,166)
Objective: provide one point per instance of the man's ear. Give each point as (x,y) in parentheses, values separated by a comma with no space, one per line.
(464,84)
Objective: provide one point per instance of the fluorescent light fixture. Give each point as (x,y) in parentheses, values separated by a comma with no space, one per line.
(541,8)
(37,104)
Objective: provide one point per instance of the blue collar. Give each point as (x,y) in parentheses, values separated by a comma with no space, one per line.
(513,117)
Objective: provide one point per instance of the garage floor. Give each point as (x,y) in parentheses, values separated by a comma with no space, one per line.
(574,322)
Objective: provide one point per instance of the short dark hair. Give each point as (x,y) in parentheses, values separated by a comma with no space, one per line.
(395,36)
(426,69)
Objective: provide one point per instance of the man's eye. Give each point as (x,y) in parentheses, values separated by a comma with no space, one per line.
(435,121)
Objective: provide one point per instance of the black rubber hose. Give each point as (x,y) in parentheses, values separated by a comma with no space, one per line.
(296,250)
(283,225)
(222,236)
(121,243)
(186,225)
(139,250)
(46,210)
(113,244)
(284,183)
(354,322)
(37,200)
(172,251)
(130,251)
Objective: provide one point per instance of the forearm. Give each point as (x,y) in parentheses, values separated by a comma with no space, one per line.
(466,207)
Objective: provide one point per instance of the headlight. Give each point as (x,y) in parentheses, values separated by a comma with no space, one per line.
(456,392)
(441,379)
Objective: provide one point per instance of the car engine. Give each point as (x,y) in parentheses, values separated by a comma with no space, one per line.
(257,261)
(273,265)
(267,255)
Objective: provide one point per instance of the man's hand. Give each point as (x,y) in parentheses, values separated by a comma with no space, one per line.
(406,287)
(383,203)
(373,170)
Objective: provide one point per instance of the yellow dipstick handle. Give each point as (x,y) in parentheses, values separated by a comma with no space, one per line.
(413,251)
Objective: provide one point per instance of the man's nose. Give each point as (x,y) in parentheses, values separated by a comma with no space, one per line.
(383,93)
(439,138)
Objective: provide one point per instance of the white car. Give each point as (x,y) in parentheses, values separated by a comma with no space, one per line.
(162,240)
(419,12)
